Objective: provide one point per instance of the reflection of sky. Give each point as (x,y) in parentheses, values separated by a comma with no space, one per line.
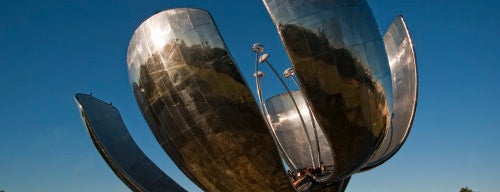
(285,120)
(52,49)
(154,34)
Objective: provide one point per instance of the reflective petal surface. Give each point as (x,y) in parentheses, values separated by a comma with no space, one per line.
(399,47)
(340,61)
(309,153)
(199,107)
(118,149)
(286,124)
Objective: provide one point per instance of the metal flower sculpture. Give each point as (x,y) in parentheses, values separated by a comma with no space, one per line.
(352,109)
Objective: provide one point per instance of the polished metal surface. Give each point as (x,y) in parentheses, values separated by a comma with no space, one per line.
(339,58)
(264,110)
(199,107)
(402,61)
(301,142)
(286,123)
(118,149)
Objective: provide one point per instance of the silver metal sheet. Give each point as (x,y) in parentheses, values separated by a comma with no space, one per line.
(118,149)
(285,122)
(341,64)
(399,47)
(199,107)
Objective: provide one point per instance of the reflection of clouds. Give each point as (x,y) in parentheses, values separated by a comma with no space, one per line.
(154,34)
(159,34)
(289,117)
(165,31)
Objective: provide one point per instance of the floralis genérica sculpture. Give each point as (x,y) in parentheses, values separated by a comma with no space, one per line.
(351,109)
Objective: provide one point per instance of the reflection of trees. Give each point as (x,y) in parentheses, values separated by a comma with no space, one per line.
(349,104)
(466,189)
(202,113)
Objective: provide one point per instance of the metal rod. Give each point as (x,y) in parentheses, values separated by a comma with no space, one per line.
(313,120)
(296,107)
(264,112)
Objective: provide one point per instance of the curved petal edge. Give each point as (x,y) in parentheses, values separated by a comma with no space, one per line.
(111,138)
(402,61)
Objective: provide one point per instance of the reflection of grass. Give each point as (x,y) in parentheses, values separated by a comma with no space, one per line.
(211,123)
(241,164)
(225,86)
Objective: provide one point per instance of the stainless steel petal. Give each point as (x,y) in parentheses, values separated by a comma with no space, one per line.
(286,124)
(339,58)
(118,149)
(400,51)
(198,105)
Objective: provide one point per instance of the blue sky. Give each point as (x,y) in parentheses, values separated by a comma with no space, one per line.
(50,50)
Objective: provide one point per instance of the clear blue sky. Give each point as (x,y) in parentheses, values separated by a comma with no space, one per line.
(49,50)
